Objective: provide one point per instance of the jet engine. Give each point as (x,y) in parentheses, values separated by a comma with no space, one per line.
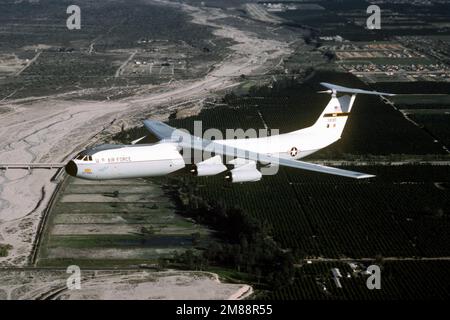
(244,173)
(209,167)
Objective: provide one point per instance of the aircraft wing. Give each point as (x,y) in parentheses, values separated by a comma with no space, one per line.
(245,154)
(166,132)
(159,129)
(324,169)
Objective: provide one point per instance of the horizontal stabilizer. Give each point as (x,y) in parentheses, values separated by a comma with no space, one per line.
(335,88)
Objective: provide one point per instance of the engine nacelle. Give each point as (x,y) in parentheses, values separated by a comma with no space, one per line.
(245,173)
(209,167)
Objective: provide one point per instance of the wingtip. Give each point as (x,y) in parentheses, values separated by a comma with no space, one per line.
(366,176)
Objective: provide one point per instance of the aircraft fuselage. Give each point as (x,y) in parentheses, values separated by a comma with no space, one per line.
(126,162)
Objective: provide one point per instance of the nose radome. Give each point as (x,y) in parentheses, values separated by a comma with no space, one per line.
(71,168)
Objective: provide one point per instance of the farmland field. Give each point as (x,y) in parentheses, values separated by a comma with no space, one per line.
(392,215)
(427,104)
(348,19)
(437,124)
(118,223)
(44,57)
(400,280)
(422,101)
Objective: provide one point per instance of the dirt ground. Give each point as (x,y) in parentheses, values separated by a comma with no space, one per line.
(119,285)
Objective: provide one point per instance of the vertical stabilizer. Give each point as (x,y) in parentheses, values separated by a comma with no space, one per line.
(334,117)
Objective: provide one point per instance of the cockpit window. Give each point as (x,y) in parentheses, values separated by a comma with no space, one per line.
(84,157)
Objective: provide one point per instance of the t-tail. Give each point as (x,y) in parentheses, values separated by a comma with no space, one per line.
(332,120)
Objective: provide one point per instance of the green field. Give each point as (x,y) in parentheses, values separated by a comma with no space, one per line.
(438,124)
(388,61)
(116,223)
(406,101)
(400,280)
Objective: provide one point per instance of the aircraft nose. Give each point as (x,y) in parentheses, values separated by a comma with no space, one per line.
(71,168)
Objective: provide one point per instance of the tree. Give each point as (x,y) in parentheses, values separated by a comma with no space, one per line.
(196,238)
(162,262)
(330,55)
(188,258)
(147,231)
(379,259)
(237,255)
(258,274)
(249,242)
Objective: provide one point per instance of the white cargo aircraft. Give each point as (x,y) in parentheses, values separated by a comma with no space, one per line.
(146,160)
